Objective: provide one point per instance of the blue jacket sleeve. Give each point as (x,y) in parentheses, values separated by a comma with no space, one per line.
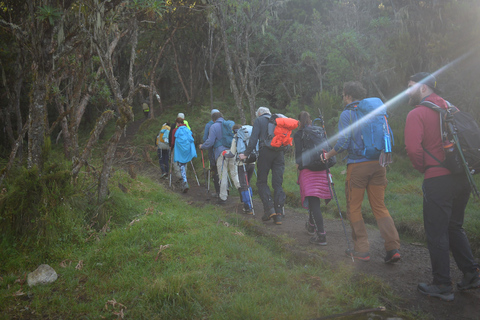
(207,129)
(344,131)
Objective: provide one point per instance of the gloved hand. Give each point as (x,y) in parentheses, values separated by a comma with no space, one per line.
(227,154)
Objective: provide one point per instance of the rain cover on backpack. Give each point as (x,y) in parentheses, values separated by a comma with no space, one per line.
(279,130)
(243,137)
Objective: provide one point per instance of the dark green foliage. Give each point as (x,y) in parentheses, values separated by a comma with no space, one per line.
(34,206)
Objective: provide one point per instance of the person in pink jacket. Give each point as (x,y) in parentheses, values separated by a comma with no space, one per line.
(445,195)
(314,185)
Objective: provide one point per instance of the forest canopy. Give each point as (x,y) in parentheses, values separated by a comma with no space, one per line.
(68,66)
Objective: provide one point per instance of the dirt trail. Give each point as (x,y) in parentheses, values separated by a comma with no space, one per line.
(402,277)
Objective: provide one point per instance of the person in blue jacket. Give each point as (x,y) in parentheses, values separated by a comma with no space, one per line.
(183,149)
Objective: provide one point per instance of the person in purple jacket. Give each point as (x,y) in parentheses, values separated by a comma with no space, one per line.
(314,185)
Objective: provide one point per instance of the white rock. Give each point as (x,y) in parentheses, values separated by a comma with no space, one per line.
(43,275)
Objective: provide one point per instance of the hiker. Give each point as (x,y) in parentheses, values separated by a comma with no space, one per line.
(185,122)
(146,109)
(224,165)
(445,195)
(163,149)
(175,167)
(211,155)
(268,159)
(363,174)
(245,170)
(184,149)
(314,185)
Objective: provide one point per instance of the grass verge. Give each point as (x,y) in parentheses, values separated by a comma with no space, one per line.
(176,261)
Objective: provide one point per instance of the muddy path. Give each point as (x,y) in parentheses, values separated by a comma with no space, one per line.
(402,277)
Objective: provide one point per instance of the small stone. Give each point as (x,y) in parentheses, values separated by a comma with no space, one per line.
(44,274)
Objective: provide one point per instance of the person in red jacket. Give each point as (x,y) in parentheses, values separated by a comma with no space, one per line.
(445,195)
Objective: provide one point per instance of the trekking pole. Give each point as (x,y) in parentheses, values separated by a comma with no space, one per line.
(196,177)
(339,211)
(208,184)
(171,168)
(248,186)
(204,172)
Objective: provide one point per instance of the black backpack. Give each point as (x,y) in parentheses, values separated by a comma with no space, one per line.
(468,133)
(314,143)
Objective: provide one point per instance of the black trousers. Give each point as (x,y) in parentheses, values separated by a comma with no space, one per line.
(315,214)
(444,202)
(245,173)
(273,160)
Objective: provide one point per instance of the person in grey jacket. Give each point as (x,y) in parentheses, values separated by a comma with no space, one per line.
(268,159)
(224,165)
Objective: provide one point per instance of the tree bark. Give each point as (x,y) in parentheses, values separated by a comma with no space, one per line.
(37,121)
(94,136)
(126,115)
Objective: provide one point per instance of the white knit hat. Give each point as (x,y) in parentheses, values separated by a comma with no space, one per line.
(181,115)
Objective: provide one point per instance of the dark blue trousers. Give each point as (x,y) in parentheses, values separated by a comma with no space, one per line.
(163,159)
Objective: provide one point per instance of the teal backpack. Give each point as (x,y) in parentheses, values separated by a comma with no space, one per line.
(227,134)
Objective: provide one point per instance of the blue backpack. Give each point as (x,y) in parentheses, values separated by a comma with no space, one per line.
(227,134)
(377,135)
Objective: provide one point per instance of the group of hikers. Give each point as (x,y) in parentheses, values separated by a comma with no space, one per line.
(233,150)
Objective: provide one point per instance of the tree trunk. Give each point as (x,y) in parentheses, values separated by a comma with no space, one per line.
(37,122)
(15,148)
(126,115)
(231,75)
(94,136)
(177,69)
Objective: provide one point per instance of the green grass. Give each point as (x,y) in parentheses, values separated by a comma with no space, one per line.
(209,270)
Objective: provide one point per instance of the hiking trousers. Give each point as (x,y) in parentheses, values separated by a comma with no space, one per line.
(163,159)
(224,166)
(271,160)
(245,181)
(372,177)
(444,202)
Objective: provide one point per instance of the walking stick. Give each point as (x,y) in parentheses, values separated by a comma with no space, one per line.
(208,184)
(338,206)
(171,168)
(204,172)
(196,177)
(248,186)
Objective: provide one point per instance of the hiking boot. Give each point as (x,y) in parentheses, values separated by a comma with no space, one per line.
(277,218)
(471,280)
(247,211)
(185,187)
(310,228)
(392,256)
(441,291)
(268,215)
(320,239)
(364,256)
(164,175)
(221,202)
